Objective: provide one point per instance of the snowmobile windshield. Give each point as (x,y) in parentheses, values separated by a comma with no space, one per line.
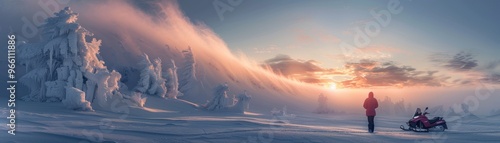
(418,112)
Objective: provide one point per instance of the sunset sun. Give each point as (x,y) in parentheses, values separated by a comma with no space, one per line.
(333,86)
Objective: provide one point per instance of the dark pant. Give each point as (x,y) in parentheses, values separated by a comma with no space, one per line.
(371,125)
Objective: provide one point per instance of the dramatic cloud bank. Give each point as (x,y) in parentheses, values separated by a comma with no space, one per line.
(308,71)
(470,71)
(365,73)
(369,73)
(459,62)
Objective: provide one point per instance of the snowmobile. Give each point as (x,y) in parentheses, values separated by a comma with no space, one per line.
(420,123)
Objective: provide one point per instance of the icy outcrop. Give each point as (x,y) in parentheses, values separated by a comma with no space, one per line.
(188,76)
(221,101)
(151,81)
(64,65)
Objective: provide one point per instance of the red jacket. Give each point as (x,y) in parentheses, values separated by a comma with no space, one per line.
(370,105)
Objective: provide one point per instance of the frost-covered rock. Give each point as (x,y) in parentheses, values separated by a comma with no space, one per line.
(75,99)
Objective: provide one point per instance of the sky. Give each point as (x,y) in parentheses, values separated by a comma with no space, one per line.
(344,43)
(456,41)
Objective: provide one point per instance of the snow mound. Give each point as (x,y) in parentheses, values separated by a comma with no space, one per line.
(136,99)
(75,99)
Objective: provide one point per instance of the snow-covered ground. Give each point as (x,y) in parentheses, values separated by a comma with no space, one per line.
(171,120)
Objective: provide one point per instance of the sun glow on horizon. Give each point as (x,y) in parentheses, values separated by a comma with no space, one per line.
(333,86)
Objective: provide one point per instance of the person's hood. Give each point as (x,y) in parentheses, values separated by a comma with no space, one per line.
(370,95)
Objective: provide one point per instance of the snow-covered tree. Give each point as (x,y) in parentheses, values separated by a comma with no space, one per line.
(151,81)
(322,104)
(243,102)
(172,82)
(399,107)
(465,108)
(219,101)
(64,63)
(188,71)
(388,108)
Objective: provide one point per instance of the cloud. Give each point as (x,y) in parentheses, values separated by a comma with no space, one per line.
(491,78)
(462,61)
(468,69)
(368,73)
(491,72)
(365,73)
(308,71)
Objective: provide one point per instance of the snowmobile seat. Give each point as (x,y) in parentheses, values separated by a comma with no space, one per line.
(434,120)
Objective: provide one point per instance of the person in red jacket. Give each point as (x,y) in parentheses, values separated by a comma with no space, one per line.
(370,105)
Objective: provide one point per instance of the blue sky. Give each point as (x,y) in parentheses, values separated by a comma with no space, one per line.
(422,28)
(426,35)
